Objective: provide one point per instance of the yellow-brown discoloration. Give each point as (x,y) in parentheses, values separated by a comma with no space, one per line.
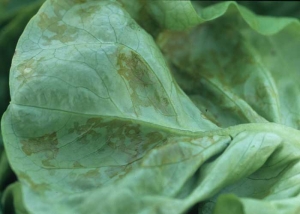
(143,85)
(55,29)
(124,137)
(47,144)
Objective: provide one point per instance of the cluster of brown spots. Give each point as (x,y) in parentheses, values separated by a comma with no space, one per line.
(45,20)
(87,131)
(152,137)
(94,127)
(123,136)
(87,12)
(144,86)
(46,144)
(59,30)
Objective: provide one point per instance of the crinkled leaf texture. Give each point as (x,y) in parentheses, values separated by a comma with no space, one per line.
(103,119)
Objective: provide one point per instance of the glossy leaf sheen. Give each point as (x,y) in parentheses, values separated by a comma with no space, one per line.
(103,119)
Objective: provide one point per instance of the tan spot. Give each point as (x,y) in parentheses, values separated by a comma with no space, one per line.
(47,144)
(144,86)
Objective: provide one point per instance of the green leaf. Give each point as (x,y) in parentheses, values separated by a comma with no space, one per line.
(92,128)
(13,199)
(270,8)
(105,119)
(230,204)
(9,36)
(236,76)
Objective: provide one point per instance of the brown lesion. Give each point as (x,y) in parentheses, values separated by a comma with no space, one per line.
(86,132)
(127,139)
(59,30)
(131,131)
(46,144)
(143,85)
(124,137)
(152,137)
(115,131)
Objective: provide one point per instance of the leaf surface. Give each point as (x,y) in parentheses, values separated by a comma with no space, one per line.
(103,118)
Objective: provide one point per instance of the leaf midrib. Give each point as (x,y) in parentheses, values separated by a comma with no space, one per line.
(284,131)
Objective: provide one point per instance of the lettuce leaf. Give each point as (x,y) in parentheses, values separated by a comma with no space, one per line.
(198,106)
